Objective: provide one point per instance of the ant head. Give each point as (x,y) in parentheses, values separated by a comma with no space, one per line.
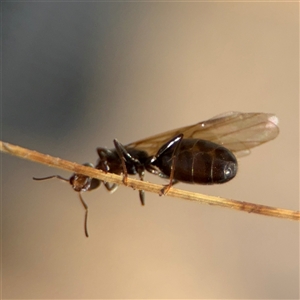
(82,183)
(79,182)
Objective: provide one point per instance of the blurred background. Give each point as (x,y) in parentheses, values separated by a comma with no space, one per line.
(77,75)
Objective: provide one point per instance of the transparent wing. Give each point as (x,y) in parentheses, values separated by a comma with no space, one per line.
(236,131)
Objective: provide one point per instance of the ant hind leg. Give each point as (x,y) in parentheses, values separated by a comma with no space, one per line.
(176,141)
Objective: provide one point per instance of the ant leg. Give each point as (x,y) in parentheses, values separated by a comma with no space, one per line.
(142,192)
(110,187)
(167,187)
(177,142)
(142,197)
(126,157)
(86,215)
(122,153)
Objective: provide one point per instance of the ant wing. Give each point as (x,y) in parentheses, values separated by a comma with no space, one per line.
(236,131)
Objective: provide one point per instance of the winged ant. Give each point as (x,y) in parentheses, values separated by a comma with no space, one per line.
(203,153)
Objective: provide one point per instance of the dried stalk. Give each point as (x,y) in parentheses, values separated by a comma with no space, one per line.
(146,186)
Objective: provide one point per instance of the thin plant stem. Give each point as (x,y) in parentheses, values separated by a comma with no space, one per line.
(147,186)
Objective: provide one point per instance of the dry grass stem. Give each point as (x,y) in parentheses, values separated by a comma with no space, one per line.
(146,186)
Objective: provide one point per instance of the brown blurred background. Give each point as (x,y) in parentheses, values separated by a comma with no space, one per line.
(77,75)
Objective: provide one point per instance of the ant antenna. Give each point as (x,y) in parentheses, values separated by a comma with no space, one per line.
(73,182)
